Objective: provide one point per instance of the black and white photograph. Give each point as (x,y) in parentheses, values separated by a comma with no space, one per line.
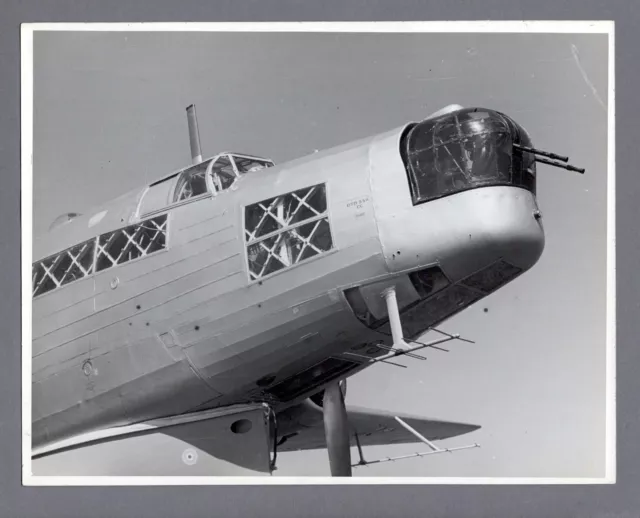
(370,253)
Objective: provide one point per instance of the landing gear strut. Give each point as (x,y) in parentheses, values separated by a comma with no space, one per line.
(336,429)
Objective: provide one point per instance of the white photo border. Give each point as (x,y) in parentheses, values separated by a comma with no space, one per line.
(555,27)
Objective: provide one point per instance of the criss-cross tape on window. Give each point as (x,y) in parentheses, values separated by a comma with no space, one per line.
(307,242)
(159,234)
(250,234)
(286,229)
(289,247)
(77,269)
(81,260)
(117,250)
(72,264)
(282,211)
(136,240)
(276,252)
(46,275)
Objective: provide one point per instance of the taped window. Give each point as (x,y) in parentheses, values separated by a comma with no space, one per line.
(132,242)
(63,268)
(283,231)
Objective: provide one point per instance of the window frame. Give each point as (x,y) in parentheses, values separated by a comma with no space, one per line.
(94,263)
(57,258)
(130,261)
(209,174)
(326,215)
(174,202)
(251,157)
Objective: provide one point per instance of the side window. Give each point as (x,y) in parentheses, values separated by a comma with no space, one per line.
(95,255)
(288,229)
(55,271)
(125,244)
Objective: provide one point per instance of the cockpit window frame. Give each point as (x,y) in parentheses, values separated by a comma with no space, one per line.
(266,162)
(189,171)
(212,190)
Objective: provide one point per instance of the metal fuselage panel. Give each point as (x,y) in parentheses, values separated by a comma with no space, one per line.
(186,329)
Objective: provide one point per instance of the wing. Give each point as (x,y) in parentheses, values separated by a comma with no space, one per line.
(303,428)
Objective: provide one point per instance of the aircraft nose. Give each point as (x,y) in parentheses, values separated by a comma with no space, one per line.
(461,194)
(466,232)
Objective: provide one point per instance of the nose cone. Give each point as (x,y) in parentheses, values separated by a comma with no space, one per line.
(504,224)
(456,195)
(465,232)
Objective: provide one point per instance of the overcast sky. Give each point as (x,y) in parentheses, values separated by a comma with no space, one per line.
(109,116)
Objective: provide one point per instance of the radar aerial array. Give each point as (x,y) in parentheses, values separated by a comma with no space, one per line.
(434,449)
(402,348)
(393,352)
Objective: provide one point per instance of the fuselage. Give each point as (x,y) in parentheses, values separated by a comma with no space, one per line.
(267,286)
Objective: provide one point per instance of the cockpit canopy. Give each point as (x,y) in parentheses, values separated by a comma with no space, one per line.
(216,174)
(466,149)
